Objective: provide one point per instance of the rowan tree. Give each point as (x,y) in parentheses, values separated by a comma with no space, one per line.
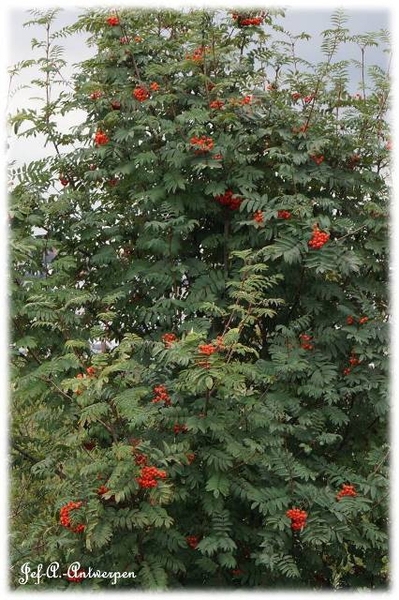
(199,307)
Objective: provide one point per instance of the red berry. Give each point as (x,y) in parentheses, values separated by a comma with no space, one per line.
(258,216)
(101,138)
(284,214)
(363,320)
(350,320)
(168,339)
(216,104)
(113,20)
(115,105)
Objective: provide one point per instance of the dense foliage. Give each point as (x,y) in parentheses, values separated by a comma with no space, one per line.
(199,308)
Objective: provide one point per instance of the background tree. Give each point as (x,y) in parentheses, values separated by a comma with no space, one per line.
(220,227)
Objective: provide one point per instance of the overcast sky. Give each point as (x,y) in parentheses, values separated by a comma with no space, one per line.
(310,20)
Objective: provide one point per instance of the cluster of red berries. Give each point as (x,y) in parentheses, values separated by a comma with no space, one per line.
(101,138)
(318,239)
(302,129)
(102,490)
(192,541)
(353,161)
(63,180)
(353,361)
(149,476)
(227,199)
(115,105)
(246,21)
(308,99)
(125,39)
(91,371)
(306,341)
(216,104)
(140,460)
(161,395)
(168,339)
(363,320)
(203,144)
(96,95)
(197,55)
(237,572)
(258,216)
(141,93)
(113,182)
(179,428)
(295,96)
(284,214)
(347,490)
(298,518)
(78,577)
(207,349)
(113,20)
(65,518)
(246,100)
(317,158)
(154,86)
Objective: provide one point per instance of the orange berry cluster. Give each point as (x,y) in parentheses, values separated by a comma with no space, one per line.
(305,341)
(246,21)
(318,239)
(207,349)
(258,216)
(216,104)
(154,86)
(363,320)
(301,129)
(168,339)
(113,20)
(148,477)
(161,395)
(91,371)
(65,518)
(353,161)
(318,158)
(353,361)
(197,55)
(101,138)
(227,199)
(246,100)
(347,490)
(179,428)
(141,93)
(102,490)
(96,95)
(284,214)
(192,541)
(203,144)
(298,518)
